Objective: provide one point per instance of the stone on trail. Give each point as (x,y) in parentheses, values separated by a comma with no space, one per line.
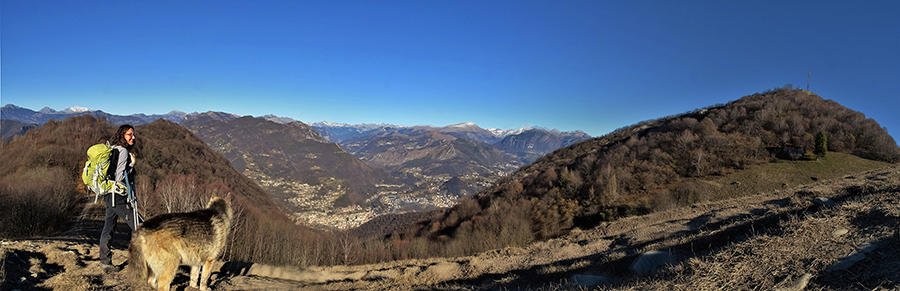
(847,262)
(798,285)
(651,260)
(839,232)
(856,256)
(824,202)
(585,280)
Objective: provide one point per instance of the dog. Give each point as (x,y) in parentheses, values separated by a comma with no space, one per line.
(164,242)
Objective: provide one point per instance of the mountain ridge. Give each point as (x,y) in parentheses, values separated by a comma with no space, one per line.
(25,115)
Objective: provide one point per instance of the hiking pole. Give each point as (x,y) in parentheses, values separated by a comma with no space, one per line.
(133,200)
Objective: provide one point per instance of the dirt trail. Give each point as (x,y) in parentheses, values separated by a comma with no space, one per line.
(767,241)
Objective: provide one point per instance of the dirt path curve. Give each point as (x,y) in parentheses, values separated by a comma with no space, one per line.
(689,235)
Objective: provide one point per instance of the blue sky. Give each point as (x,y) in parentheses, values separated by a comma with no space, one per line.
(572,65)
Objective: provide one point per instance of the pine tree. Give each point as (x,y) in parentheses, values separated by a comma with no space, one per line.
(821,144)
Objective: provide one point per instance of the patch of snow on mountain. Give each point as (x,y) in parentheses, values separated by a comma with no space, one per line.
(276,119)
(464,125)
(75,109)
(506,132)
(328,124)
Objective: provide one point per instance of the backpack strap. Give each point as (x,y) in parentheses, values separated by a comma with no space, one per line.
(113,163)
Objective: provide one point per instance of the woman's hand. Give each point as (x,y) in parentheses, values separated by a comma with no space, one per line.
(132,158)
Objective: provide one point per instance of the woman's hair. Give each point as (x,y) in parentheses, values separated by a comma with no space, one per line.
(119,138)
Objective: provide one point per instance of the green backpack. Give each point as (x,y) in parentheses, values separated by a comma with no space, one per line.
(96,171)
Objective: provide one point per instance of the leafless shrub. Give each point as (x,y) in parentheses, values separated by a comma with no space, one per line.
(36,201)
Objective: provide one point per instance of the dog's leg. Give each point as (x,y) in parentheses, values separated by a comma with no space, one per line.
(151,275)
(155,268)
(152,280)
(167,266)
(166,276)
(195,272)
(207,270)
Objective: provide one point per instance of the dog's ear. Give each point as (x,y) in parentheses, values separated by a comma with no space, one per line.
(228,197)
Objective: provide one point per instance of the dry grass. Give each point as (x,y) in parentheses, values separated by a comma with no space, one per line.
(562,268)
(803,242)
(783,174)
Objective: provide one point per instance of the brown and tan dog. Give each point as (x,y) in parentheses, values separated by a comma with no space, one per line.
(164,242)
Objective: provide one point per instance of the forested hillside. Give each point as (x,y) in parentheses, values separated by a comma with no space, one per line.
(41,188)
(650,166)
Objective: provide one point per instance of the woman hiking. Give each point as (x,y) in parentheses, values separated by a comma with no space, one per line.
(121,163)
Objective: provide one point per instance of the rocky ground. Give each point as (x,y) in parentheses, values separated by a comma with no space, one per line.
(840,234)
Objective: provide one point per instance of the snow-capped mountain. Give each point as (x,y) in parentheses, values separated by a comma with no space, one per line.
(277,119)
(73,110)
(501,133)
(497,132)
(463,125)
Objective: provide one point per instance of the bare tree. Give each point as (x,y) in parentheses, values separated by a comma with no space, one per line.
(144,197)
(177,193)
(697,161)
(237,222)
(348,247)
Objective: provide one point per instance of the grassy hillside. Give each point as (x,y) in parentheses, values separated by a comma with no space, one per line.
(774,176)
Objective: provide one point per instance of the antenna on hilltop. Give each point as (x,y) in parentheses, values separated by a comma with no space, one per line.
(809,79)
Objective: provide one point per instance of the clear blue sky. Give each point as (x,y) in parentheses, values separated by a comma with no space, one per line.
(571,65)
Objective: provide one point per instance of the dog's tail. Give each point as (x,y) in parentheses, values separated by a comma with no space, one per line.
(137,267)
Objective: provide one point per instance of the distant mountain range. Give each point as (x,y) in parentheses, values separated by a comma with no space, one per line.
(340,132)
(25,115)
(322,169)
(525,143)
